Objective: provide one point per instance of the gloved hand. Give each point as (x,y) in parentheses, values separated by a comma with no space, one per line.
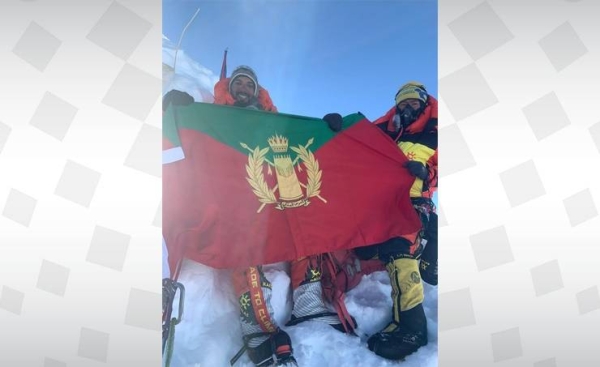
(176,98)
(334,121)
(417,169)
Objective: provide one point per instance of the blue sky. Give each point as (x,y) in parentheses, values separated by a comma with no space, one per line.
(316,57)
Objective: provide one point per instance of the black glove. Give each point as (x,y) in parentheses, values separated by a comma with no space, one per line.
(417,169)
(334,121)
(176,98)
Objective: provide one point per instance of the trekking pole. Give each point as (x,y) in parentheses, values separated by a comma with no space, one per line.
(238,355)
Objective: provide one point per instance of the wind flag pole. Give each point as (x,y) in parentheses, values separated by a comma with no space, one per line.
(181,37)
(224,66)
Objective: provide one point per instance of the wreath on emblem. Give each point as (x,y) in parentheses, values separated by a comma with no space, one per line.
(266,195)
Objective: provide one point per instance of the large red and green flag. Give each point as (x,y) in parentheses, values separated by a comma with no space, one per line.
(258,187)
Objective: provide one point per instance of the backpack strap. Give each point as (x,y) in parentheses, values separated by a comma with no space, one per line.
(333,293)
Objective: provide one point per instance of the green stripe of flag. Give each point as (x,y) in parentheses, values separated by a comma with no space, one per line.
(235,126)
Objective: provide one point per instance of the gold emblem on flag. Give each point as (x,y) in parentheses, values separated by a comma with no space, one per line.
(288,187)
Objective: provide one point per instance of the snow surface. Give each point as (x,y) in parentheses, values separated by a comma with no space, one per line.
(209,334)
(189,76)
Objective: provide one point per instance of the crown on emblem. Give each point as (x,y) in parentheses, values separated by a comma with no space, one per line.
(278,144)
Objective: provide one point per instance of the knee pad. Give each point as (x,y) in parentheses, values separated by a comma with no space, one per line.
(395,248)
(429,258)
(306,270)
(366,252)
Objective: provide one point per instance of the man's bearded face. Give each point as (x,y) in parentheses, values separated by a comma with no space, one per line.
(242,90)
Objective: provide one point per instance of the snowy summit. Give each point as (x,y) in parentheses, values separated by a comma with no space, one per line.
(209,334)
